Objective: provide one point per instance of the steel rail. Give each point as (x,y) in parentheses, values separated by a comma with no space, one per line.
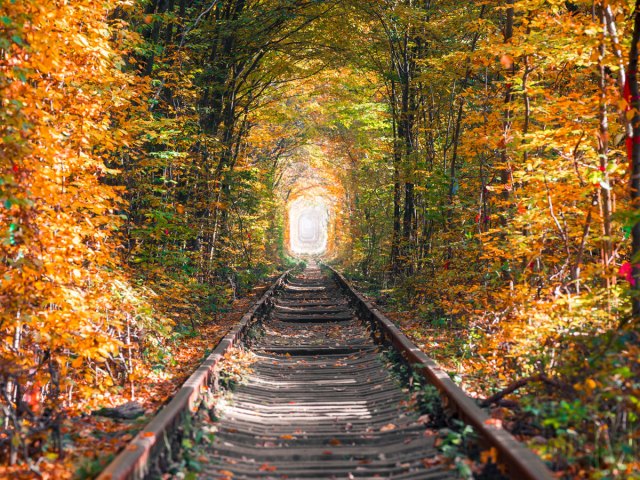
(154,447)
(158,443)
(518,462)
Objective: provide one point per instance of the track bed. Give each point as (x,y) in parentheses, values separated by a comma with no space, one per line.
(320,402)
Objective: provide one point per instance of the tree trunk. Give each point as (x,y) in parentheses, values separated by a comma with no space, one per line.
(508,97)
(603,152)
(397,208)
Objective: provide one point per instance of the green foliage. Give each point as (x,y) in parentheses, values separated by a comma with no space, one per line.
(471,155)
(91,468)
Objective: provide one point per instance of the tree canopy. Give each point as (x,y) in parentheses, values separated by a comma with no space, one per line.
(477,161)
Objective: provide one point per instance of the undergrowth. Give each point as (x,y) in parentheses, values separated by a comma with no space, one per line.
(456,441)
(578,403)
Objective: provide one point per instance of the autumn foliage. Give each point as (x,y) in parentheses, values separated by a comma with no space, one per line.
(508,209)
(65,108)
(474,158)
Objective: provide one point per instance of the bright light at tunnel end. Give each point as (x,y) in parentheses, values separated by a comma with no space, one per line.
(308,226)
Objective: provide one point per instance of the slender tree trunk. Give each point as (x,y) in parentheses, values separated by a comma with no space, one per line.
(453,182)
(603,152)
(168,36)
(159,7)
(508,97)
(405,132)
(456,140)
(527,104)
(508,26)
(612,31)
(397,207)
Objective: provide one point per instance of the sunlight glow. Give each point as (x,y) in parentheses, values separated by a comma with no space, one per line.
(308,224)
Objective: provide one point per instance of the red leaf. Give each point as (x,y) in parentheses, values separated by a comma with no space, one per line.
(626,271)
(265,467)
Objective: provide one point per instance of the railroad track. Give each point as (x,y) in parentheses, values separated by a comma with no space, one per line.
(319,400)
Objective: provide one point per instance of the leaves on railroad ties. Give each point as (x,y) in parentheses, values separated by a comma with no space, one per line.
(433,461)
(388,427)
(235,366)
(266,467)
(124,171)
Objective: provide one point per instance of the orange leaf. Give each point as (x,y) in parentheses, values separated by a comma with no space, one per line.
(489,456)
(506,61)
(496,422)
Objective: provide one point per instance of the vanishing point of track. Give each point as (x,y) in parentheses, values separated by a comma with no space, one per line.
(319,401)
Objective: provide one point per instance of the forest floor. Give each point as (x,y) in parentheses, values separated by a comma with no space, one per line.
(532,412)
(90,442)
(444,346)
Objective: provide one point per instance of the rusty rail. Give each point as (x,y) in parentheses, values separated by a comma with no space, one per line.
(518,461)
(158,444)
(154,447)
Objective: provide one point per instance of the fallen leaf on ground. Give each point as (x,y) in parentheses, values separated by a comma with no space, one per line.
(489,456)
(424,419)
(431,461)
(496,422)
(265,467)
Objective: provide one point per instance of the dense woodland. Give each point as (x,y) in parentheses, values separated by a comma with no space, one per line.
(480,160)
